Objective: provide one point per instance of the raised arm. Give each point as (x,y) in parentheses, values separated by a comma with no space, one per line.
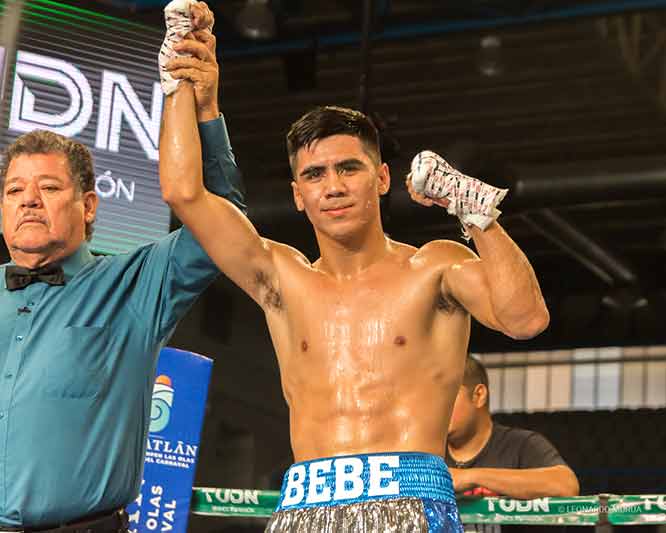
(226,235)
(221,174)
(500,288)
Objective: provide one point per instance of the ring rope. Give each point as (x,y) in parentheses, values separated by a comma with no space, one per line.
(581,510)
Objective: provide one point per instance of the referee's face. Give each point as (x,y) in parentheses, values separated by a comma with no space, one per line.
(43,212)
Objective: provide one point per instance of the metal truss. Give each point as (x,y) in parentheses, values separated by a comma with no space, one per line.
(640,40)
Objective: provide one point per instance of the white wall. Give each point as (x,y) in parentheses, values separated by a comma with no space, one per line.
(584,378)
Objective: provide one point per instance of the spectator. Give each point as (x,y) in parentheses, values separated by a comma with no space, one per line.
(486,458)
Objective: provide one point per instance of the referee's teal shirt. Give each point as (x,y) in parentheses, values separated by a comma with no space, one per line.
(77,365)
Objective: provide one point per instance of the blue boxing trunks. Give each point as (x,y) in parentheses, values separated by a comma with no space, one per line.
(374,493)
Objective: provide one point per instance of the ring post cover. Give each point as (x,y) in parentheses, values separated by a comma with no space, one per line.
(176,417)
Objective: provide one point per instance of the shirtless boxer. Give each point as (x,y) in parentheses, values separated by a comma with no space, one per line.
(371,338)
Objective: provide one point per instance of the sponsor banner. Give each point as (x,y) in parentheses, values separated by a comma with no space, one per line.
(643,509)
(234,502)
(176,417)
(564,511)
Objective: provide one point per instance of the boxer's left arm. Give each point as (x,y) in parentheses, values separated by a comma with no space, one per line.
(500,288)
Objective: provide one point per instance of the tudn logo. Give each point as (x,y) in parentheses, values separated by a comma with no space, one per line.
(160,409)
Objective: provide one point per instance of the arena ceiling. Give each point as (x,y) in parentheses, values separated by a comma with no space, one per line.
(565,103)
(562,101)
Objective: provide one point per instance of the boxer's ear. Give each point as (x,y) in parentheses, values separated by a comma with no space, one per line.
(298,198)
(384,177)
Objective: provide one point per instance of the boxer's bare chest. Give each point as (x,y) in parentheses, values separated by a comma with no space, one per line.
(390,310)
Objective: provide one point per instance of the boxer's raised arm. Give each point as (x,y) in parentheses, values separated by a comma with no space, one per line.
(224,232)
(500,289)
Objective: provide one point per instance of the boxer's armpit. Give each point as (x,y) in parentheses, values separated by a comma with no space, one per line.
(270,296)
(447,304)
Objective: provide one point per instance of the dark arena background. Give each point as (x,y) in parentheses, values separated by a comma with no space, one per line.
(564,102)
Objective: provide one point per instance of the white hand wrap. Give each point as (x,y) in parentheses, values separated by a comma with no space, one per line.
(178,24)
(471,200)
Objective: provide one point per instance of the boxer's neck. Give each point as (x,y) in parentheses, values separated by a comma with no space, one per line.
(350,257)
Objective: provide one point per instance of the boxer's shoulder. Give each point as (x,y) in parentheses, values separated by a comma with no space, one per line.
(286,255)
(442,253)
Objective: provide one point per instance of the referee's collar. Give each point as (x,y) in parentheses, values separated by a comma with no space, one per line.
(72,264)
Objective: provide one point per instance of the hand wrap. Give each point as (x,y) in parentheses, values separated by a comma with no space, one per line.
(471,200)
(178,21)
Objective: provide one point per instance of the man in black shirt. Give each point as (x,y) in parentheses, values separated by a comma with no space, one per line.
(486,459)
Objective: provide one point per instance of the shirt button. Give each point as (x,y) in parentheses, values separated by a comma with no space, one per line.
(19,338)
(2,415)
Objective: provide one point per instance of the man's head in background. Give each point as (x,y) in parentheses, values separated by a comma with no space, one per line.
(471,410)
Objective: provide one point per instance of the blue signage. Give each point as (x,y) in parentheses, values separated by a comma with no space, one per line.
(177,412)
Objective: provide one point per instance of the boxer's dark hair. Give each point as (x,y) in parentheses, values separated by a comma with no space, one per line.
(475,374)
(326,121)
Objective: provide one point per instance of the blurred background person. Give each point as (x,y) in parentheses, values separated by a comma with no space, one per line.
(486,458)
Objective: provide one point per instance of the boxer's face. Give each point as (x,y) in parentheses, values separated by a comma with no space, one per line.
(338,185)
(43,211)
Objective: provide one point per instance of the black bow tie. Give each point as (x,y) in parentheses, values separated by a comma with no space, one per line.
(18,277)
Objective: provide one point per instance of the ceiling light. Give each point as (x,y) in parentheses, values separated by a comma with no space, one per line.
(256,20)
(490,56)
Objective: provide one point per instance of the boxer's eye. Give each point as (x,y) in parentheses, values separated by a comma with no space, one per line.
(348,167)
(312,173)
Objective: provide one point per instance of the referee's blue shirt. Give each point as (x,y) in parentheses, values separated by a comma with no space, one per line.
(77,365)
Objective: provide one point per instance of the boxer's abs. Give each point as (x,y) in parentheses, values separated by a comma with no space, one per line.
(369,366)
(402,402)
